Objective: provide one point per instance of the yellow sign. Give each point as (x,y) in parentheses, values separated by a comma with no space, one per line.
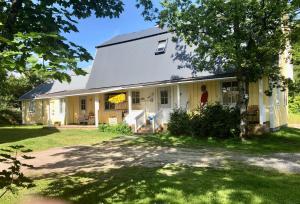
(117,98)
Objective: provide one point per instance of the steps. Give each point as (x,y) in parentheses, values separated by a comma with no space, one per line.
(146,129)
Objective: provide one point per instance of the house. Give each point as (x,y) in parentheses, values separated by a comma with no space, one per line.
(149,75)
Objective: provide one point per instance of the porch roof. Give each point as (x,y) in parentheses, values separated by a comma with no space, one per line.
(77,83)
(133,86)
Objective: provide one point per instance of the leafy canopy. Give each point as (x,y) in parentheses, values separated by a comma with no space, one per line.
(243,37)
(31,34)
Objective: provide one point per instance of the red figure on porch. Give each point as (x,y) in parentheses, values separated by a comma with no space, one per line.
(204,96)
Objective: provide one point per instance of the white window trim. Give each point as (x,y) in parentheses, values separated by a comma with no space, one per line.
(31,107)
(231,104)
(80,104)
(135,98)
(61,106)
(165,98)
(157,52)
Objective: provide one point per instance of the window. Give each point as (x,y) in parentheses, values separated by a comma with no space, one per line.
(32,106)
(230,93)
(107,104)
(164,99)
(161,48)
(83,104)
(136,97)
(61,105)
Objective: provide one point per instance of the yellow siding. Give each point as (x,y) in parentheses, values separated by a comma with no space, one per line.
(194,93)
(73,109)
(192,90)
(104,115)
(253,94)
(39,116)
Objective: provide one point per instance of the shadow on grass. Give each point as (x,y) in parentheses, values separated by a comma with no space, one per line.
(16,134)
(174,184)
(285,140)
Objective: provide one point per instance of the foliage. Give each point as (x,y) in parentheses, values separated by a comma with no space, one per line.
(32,34)
(294,86)
(215,121)
(212,121)
(118,128)
(294,104)
(12,88)
(240,37)
(179,123)
(10,117)
(12,178)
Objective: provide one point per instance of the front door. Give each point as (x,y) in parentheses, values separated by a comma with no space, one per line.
(164,98)
(164,103)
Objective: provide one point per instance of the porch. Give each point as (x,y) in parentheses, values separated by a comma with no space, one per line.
(150,106)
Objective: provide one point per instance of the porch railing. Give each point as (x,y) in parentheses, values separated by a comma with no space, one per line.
(136,119)
(139,120)
(157,120)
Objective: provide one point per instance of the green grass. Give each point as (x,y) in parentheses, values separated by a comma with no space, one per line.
(39,138)
(285,140)
(171,184)
(294,118)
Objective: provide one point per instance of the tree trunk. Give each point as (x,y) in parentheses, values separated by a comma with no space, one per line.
(243,87)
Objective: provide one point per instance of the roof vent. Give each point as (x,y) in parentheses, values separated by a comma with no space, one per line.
(161,48)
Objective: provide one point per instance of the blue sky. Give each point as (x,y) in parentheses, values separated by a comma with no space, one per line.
(93,31)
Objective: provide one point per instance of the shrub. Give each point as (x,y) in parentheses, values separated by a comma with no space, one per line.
(10,117)
(119,128)
(215,121)
(179,123)
(211,121)
(294,104)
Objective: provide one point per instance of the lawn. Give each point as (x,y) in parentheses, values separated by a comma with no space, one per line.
(294,118)
(235,183)
(285,140)
(39,138)
(170,184)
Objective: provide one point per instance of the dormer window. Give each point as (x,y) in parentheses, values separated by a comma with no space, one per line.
(161,48)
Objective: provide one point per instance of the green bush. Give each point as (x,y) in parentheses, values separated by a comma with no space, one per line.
(119,128)
(10,117)
(179,123)
(211,121)
(215,121)
(294,104)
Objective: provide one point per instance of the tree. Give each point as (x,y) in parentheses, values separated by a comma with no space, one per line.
(242,37)
(31,34)
(12,178)
(32,42)
(294,88)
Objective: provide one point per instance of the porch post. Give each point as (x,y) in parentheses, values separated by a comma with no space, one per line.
(178,95)
(96,110)
(129,101)
(261,102)
(66,111)
(272,115)
(172,97)
(49,112)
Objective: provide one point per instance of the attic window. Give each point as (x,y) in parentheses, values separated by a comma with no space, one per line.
(161,48)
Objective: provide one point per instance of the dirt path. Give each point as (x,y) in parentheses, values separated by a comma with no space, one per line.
(114,154)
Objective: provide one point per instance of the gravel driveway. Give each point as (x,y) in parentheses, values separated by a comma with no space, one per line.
(115,154)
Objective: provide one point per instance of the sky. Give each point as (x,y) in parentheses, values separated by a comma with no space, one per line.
(93,31)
